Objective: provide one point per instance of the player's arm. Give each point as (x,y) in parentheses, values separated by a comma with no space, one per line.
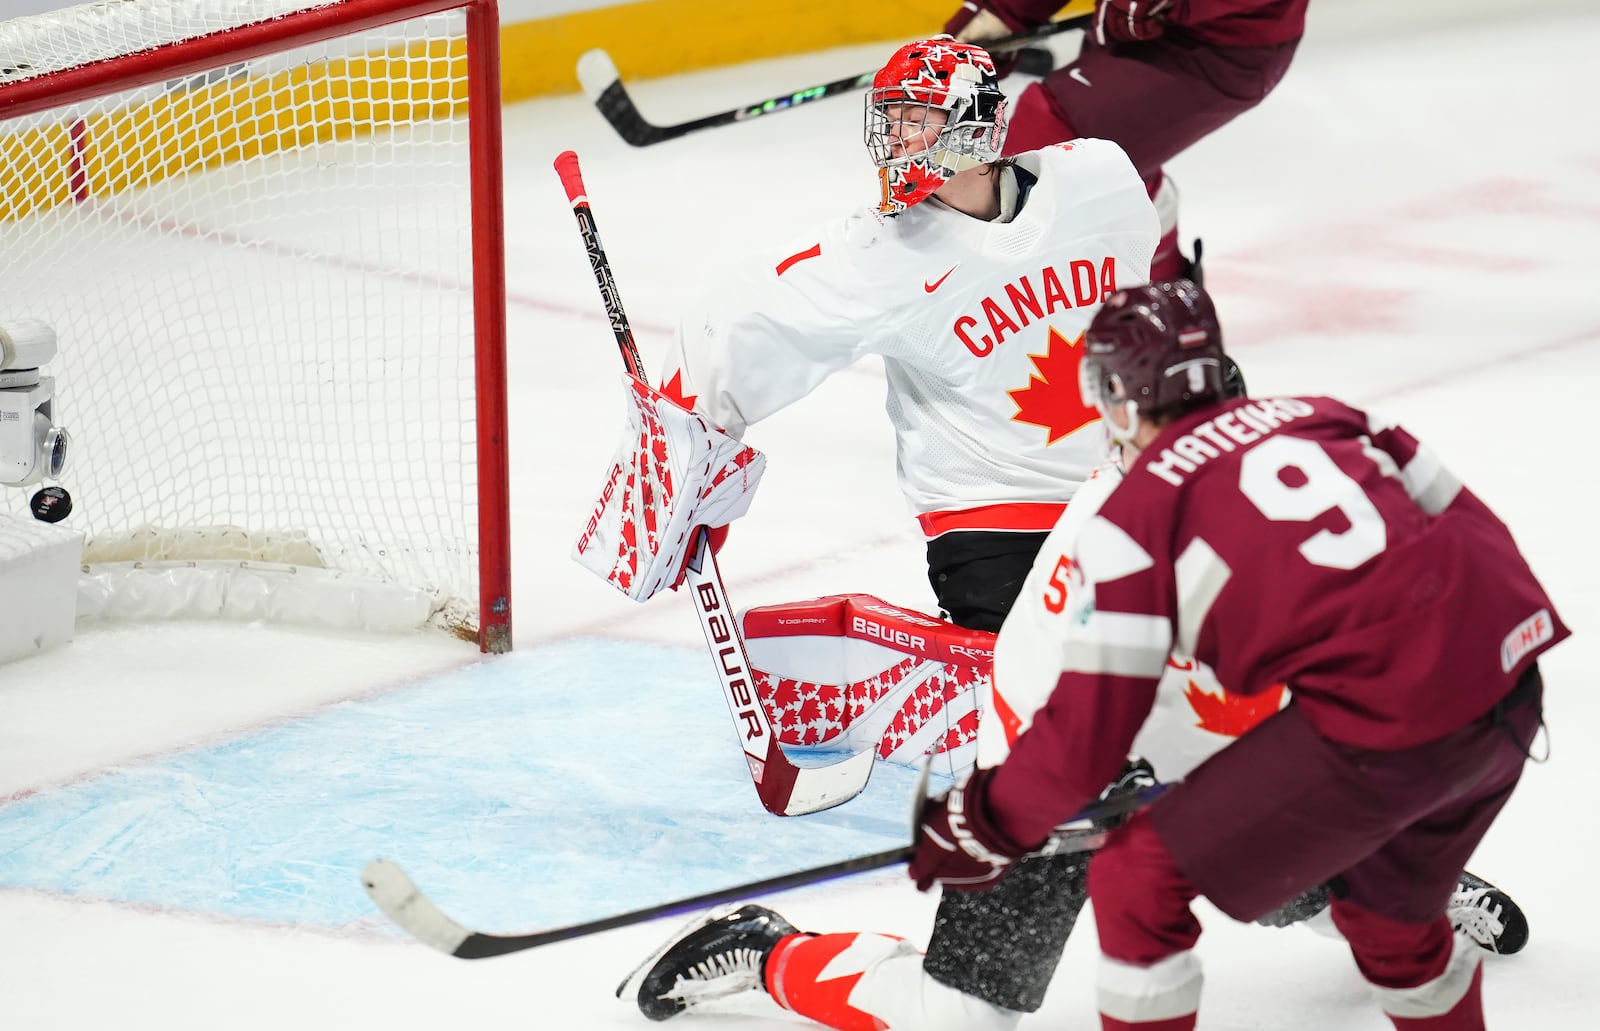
(1117,639)
(1432,486)
(1105,194)
(1118,634)
(771,335)
(1029,651)
(980,21)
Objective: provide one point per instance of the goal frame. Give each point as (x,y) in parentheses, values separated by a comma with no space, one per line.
(181,58)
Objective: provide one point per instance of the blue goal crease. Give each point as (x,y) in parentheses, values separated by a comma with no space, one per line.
(545,787)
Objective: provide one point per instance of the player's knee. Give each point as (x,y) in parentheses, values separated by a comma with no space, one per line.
(1036,121)
(1123,864)
(1141,898)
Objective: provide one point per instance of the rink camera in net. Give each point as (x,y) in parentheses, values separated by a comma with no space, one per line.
(32,446)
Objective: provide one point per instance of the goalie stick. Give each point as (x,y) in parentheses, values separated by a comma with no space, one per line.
(785,788)
(403,902)
(602,83)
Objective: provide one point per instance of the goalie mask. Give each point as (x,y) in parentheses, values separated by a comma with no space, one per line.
(934,110)
(1154,349)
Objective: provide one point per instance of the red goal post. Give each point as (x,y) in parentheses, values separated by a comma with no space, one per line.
(268,235)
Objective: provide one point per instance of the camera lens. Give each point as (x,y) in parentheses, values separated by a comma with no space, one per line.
(56,443)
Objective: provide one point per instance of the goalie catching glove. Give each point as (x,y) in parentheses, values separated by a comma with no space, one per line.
(673,473)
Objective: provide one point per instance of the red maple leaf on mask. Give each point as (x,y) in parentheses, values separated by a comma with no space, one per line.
(1051,398)
(915,181)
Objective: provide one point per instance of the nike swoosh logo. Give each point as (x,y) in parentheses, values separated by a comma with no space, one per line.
(937,283)
(1077,75)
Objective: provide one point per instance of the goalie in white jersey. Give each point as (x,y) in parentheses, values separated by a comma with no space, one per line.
(974,280)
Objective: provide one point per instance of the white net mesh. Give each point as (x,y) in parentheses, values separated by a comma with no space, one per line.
(261,280)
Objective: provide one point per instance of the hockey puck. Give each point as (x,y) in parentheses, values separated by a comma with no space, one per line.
(51,504)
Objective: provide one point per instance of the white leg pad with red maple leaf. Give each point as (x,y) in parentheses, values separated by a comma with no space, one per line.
(673,472)
(852,672)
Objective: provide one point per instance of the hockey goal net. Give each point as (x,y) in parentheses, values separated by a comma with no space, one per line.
(268,236)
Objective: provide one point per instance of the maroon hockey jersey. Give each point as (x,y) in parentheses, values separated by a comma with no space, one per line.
(1236,23)
(1284,540)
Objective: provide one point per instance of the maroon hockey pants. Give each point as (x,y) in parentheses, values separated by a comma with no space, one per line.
(1283,810)
(1153,99)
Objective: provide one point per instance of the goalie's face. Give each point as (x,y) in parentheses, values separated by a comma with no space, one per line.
(905,138)
(908,128)
(934,110)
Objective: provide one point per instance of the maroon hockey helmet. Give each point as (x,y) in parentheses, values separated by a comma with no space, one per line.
(1156,349)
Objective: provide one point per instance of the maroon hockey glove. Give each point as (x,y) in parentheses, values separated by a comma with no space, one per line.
(1129,21)
(1000,21)
(983,21)
(958,846)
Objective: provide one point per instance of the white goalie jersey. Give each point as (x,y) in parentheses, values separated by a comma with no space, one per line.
(979,325)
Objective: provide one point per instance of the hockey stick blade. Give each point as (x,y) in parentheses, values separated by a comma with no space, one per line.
(403,902)
(413,912)
(394,893)
(602,84)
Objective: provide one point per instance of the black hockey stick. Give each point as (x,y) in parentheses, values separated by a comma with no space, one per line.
(572,181)
(404,903)
(785,789)
(602,83)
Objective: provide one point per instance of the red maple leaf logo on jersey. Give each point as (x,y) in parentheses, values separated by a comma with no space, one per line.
(1231,715)
(673,389)
(1051,398)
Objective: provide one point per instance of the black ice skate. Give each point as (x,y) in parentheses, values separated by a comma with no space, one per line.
(1488,916)
(720,954)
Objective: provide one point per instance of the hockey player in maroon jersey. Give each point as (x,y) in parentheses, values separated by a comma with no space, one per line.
(1153,75)
(1279,540)
(872,981)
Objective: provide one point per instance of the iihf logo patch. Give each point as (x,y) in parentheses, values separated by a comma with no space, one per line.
(1537,629)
